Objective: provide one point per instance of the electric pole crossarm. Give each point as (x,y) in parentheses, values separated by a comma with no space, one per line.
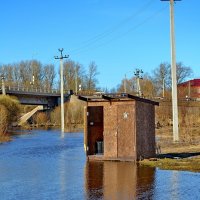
(138,76)
(61,55)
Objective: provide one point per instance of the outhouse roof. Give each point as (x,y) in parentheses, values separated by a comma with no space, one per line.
(115,97)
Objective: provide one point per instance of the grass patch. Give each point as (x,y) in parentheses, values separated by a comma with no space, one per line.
(186,164)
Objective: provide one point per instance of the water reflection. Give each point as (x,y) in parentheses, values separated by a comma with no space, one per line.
(118,180)
(175,185)
(94,179)
(62,174)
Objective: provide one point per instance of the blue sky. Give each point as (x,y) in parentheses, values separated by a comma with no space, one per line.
(119,36)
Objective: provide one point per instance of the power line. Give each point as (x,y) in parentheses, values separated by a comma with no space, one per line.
(109,31)
(121,35)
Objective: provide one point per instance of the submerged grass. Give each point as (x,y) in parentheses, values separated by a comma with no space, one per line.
(185,164)
(4,138)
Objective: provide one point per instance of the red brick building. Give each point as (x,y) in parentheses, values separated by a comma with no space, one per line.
(190,89)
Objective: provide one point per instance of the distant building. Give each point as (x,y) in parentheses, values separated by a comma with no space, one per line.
(189,89)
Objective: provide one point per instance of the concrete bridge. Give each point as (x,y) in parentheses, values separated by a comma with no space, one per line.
(44,99)
(33,96)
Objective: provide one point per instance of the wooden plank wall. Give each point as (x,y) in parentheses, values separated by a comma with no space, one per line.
(145,130)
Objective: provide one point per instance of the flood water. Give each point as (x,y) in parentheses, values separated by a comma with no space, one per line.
(43,166)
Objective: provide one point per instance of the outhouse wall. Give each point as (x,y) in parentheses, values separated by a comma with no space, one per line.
(145,130)
(119,128)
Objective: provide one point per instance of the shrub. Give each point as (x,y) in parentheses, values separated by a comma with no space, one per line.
(9,112)
(3,119)
(55,116)
(73,113)
(41,118)
(12,106)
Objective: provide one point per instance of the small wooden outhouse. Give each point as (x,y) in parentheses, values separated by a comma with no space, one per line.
(119,127)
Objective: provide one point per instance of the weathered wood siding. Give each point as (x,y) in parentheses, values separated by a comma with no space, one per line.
(145,130)
(119,129)
(126,131)
(85,130)
(110,130)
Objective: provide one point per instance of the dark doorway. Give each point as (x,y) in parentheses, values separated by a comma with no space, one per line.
(95,130)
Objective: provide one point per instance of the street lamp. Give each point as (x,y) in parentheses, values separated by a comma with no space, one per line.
(32,82)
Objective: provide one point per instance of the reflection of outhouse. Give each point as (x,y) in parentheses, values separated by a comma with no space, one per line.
(119,127)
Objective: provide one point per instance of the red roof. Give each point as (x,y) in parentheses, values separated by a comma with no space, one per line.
(194,82)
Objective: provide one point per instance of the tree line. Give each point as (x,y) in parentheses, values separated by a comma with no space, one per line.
(34,74)
(158,83)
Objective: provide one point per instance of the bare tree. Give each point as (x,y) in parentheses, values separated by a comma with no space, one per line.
(74,75)
(16,72)
(37,73)
(127,85)
(91,80)
(49,76)
(183,72)
(25,73)
(69,74)
(147,86)
(7,72)
(28,74)
(33,74)
(162,76)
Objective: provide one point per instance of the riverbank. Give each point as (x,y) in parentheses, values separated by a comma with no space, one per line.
(178,156)
(182,155)
(185,160)
(4,138)
(183,164)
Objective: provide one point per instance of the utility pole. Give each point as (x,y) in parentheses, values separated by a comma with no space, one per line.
(173,73)
(189,89)
(76,80)
(125,83)
(3,85)
(61,90)
(138,76)
(163,74)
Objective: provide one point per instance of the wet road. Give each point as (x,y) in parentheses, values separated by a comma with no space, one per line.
(42,166)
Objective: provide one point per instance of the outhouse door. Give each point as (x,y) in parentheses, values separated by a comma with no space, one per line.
(95,129)
(126,131)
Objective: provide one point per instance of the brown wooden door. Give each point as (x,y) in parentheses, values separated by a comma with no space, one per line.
(126,131)
(95,127)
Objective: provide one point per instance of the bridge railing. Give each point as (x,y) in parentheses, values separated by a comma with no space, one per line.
(31,89)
